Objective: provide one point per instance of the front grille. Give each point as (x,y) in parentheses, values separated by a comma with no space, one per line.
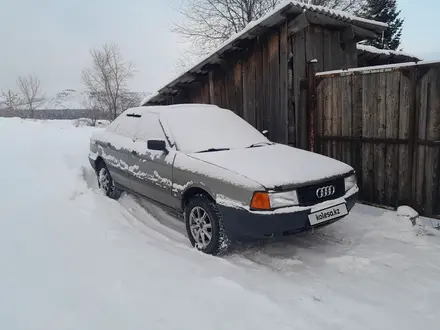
(308,195)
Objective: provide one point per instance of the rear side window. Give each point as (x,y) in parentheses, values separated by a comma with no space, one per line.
(149,128)
(126,126)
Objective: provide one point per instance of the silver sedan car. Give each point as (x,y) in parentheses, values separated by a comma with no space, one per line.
(221,175)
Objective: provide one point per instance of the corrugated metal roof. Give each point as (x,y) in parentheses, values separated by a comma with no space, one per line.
(372,56)
(256,28)
(386,52)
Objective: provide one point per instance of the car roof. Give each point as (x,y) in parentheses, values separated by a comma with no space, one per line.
(170,109)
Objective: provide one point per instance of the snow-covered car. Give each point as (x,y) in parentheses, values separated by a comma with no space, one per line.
(226,178)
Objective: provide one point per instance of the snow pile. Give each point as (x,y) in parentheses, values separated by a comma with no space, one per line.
(407,212)
(83,122)
(74,259)
(420,227)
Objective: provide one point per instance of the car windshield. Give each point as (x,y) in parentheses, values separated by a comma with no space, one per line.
(211,129)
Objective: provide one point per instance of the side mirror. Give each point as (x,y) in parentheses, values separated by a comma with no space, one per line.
(158,145)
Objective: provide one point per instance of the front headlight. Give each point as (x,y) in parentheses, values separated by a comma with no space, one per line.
(350,182)
(283,199)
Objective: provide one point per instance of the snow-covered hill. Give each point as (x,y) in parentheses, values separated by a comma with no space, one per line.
(66,99)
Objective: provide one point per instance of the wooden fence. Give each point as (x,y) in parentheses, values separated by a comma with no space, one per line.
(385,122)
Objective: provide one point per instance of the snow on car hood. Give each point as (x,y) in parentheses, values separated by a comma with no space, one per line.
(276,165)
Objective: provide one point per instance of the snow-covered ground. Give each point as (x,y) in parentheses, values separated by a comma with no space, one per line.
(74,259)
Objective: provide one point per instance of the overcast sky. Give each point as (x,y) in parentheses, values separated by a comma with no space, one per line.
(52,38)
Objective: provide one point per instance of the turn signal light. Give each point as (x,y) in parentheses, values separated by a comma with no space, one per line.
(260,201)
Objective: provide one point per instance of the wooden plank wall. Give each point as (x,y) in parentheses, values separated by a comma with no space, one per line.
(325,46)
(384,125)
(254,84)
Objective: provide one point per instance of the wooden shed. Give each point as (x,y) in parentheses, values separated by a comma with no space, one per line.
(261,72)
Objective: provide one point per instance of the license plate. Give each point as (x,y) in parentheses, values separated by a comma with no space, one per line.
(327,214)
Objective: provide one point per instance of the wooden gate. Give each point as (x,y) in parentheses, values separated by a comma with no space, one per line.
(385,122)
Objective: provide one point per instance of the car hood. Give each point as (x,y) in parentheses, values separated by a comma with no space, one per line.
(276,165)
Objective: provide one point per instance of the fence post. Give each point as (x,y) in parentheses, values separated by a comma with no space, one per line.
(413,149)
(311,103)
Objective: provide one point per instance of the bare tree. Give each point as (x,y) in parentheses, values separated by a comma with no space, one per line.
(208,23)
(130,100)
(30,87)
(11,100)
(184,62)
(106,80)
(93,108)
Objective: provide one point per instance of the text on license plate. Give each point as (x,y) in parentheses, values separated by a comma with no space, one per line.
(330,213)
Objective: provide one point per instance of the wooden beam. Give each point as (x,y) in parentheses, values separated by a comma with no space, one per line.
(211,88)
(180,86)
(298,24)
(347,35)
(364,33)
(257,31)
(324,20)
(187,78)
(360,33)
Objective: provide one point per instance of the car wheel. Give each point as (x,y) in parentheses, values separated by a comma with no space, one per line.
(106,183)
(204,226)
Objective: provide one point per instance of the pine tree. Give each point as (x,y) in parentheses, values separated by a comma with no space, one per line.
(384,11)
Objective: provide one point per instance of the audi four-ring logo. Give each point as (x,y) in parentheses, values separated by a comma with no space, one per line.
(325,191)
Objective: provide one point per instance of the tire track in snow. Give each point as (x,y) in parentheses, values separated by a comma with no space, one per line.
(289,256)
(139,214)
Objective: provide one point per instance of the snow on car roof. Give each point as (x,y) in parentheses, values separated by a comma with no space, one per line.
(166,109)
(197,127)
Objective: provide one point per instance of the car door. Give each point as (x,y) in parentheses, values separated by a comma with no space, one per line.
(151,173)
(117,147)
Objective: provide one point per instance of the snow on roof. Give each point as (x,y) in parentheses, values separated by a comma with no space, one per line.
(372,49)
(273,18)
(378,68)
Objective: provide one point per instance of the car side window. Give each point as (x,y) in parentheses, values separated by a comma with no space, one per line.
(127,126)
(149,128)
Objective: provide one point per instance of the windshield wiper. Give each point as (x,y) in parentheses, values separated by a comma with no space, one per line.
(213,149)
(260,144)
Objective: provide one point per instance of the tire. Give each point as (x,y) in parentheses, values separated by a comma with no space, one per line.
(106,183)
(211,224)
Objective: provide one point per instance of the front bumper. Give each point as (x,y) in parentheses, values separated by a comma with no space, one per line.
(242,224)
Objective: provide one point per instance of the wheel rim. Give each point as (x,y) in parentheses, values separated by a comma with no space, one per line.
(104,180)
(200,225)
